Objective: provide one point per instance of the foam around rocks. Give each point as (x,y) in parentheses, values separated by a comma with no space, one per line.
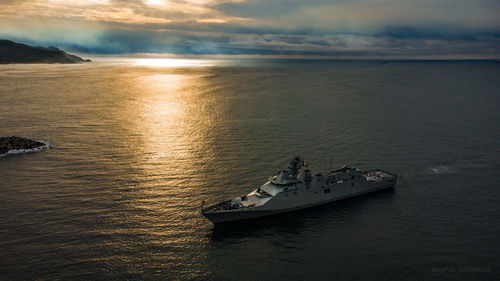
(16,145)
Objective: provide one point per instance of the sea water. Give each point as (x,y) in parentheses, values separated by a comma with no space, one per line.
(139,145)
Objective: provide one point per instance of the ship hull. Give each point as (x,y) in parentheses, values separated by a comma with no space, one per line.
(245,214)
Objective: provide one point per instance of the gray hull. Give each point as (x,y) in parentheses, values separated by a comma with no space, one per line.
(245,214)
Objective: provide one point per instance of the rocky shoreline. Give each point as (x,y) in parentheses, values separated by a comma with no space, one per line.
(13,145)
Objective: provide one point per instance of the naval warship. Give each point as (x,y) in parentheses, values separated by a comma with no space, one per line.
(295,188)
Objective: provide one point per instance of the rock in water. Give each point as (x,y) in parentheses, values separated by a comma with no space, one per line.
(12,145)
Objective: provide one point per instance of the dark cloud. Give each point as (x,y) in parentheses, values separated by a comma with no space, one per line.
(140,41)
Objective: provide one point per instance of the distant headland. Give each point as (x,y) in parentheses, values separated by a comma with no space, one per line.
(12,52)
(15,145)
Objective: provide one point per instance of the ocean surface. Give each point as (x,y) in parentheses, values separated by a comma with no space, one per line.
(140,143)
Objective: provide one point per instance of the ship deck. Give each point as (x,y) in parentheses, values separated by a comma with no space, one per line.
(378,176)
(222,206)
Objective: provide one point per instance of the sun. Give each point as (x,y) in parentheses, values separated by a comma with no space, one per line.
(155,2)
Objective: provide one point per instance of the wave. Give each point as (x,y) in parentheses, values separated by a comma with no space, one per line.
(442,169)
(46,145)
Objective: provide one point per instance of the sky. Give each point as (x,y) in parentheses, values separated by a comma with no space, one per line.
(334,28)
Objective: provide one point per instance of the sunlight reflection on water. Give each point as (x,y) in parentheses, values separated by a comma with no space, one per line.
(140,143)
(170,62)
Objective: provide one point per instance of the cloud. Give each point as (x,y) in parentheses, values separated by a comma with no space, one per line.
(283,27)
(13,2)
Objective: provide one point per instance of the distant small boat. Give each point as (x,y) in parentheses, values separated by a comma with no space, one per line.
(295,188)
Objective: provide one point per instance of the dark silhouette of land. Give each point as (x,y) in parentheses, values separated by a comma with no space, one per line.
(12,52)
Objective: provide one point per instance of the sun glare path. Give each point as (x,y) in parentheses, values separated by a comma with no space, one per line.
(171,62)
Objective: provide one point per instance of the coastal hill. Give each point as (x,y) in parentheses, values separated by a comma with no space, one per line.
(12,52)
